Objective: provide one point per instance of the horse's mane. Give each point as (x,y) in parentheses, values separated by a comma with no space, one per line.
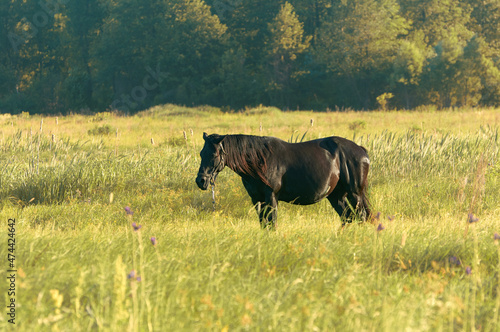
(247,155)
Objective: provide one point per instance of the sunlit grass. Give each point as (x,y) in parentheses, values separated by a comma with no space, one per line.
(164,122)
(211,273)
(76,247)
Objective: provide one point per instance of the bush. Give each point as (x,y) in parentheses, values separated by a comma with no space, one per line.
(102,130)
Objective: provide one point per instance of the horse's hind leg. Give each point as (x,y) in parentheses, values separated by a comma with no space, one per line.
(364,204)
(336,203)
(358,206)
(348,206)
(352,194)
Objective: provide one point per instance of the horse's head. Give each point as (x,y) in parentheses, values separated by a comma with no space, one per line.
(212,160)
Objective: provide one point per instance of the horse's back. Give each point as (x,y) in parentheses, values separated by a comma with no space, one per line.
(305,172)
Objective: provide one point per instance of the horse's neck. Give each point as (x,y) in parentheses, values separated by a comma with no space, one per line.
(249,159)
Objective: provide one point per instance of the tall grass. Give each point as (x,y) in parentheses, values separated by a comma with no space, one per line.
(426,268)
(437,173)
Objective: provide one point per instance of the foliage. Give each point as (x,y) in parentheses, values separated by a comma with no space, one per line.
(62,57)
(357,125)
(101,130)
(359,42)
(286,43)
(383,99)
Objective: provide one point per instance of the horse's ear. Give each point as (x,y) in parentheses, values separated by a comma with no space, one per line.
(214,138)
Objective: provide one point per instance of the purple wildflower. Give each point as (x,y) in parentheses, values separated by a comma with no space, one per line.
(471,219)
(391,218)
(377,217)
(468,270)
(380,228)
(153,240)
(132,276)
(128,211)
(454,260)
(136,227)
(496,237)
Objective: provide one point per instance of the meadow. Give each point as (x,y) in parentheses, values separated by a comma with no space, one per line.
(88,194)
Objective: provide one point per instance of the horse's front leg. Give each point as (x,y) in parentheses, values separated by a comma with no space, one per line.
(264,201)
(265,213)
(268,214)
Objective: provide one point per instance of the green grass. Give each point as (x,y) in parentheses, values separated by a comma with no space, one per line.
(75,246)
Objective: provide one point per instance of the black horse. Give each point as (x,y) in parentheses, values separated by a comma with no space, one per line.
(273,170)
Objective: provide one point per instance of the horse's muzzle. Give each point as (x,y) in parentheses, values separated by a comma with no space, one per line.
(202,181)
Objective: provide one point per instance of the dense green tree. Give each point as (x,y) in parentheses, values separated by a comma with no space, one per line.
(407,70)
(359,42)
(458,68)
(9,44)
(485,22)
(285,44)
(33,35)
(124,49)
(60,56)
(238,89)
(478,76)
(438,19)
(312,13)
(193,46)
(82,19)
(247,23)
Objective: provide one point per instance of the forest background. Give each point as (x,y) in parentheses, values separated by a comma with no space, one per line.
(60,56)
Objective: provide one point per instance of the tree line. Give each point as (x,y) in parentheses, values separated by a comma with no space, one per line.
(59,56)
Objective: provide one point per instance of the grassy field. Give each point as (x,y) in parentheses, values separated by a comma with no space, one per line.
(82,265)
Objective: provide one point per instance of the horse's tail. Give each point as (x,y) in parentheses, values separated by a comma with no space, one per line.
(365,203)
(354,168)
